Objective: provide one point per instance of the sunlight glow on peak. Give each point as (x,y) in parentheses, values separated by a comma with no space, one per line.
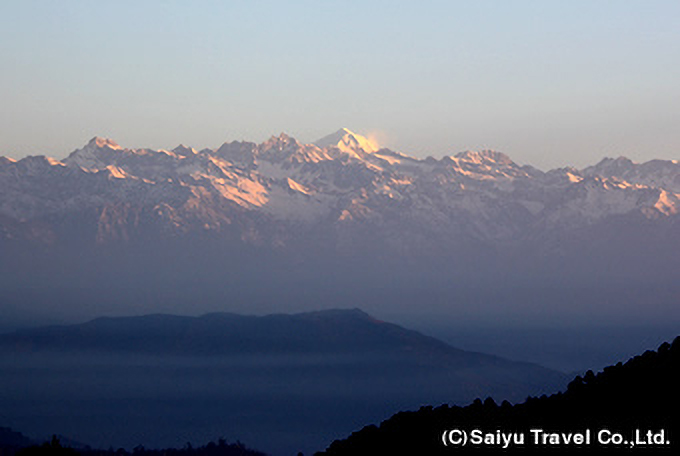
(348,141)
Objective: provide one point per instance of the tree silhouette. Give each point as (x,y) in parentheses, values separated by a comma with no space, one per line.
(642,394)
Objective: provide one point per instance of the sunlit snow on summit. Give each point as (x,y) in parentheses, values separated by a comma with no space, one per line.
(348,141)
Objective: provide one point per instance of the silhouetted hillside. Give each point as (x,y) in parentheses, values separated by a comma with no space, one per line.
(56,448)
(329,332)
(631,399)
(350,336)
(12,439)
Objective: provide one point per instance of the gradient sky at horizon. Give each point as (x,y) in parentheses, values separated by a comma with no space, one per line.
(550,83)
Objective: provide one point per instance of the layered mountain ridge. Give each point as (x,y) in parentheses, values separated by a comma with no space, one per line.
(341,223)
(342,180)
(244,374)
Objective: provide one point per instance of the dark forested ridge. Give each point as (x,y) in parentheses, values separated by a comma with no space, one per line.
(15,444)
(638,400)
(12,439)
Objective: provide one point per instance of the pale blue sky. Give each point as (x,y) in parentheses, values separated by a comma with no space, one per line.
(551,83)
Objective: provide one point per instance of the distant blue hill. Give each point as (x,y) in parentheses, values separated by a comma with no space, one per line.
(304,378)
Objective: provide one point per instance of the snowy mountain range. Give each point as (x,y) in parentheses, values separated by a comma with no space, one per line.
(341,183)
(286,226)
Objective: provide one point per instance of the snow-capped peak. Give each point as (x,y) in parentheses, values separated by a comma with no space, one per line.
(347,141)
(100,142)
(95,155)
(485,156)
(280,142)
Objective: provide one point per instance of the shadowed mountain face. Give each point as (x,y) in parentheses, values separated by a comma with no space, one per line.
(299,379)
(638,400)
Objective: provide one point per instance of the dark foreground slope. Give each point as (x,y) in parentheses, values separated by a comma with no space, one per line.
(301,380)
(10,446)
(11,440)
(638,400)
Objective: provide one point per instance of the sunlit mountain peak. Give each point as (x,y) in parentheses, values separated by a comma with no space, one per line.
(347,141)
(98,141)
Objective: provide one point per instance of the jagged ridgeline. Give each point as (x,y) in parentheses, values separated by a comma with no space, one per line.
(341,195)
(308,219)
(638,400)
